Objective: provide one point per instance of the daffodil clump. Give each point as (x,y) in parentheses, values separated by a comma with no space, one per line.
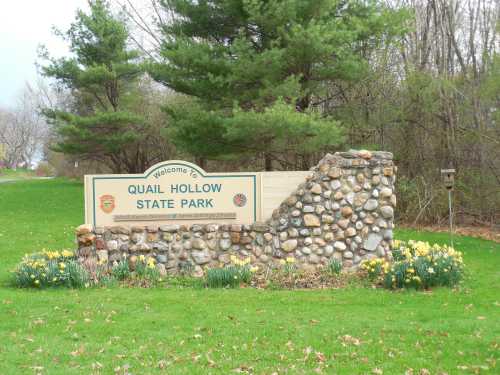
(288,265)
(375,267)
(334,266)
(146,268)
(231,276)
(418,265)
(50,268)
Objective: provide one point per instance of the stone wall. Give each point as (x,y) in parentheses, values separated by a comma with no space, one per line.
(344,210)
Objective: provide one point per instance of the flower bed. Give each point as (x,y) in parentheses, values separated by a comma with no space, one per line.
(417,265)
(50,269)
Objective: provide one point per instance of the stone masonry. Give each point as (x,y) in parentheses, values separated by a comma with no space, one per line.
(344,210)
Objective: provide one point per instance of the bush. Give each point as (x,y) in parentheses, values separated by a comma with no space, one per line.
(50,269)
(44,170)
(418,265)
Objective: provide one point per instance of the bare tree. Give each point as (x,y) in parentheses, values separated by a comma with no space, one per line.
(23,130)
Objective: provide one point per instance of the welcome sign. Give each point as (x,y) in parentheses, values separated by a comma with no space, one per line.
(172,191)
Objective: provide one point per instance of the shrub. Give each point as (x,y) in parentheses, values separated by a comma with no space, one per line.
(418,265)
(50,269)
(44,169)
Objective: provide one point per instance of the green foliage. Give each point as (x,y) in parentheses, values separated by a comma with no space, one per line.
(228,277)
(243,56)
(50,269)
(278,128)
(257,51)
(288,266)
(121,270)
(198,131)
(145,269)
(239,271)
(282,129)
(334,266)
(186,268)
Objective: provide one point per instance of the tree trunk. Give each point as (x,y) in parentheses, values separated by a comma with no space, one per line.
(268,162)
(201,162)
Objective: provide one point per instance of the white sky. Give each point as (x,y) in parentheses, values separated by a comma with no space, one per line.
(24,25)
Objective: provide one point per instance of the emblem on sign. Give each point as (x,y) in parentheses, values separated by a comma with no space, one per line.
(107,203)
(240,200)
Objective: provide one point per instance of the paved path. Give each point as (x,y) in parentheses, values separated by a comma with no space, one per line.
(23,179)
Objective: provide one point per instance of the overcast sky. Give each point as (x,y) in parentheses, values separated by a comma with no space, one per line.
(25,24)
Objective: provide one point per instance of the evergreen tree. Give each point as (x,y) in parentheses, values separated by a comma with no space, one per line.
(247,54)
(102,75)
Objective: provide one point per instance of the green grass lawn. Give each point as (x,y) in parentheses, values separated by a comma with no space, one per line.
(187,331)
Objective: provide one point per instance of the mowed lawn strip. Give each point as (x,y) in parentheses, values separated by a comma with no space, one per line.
(187,331)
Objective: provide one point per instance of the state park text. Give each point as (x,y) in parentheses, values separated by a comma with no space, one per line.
(157,196)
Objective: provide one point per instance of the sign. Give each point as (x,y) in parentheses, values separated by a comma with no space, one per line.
(172,192)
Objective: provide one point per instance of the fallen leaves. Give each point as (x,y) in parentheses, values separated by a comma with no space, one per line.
(78,351)
(350,340)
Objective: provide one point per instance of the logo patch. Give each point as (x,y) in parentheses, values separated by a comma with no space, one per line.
(240,200)
(107,203)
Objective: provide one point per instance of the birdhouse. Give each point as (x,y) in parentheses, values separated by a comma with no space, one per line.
(448,178)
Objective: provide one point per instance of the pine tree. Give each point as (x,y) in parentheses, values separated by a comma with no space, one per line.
(236,56)
(102,76)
